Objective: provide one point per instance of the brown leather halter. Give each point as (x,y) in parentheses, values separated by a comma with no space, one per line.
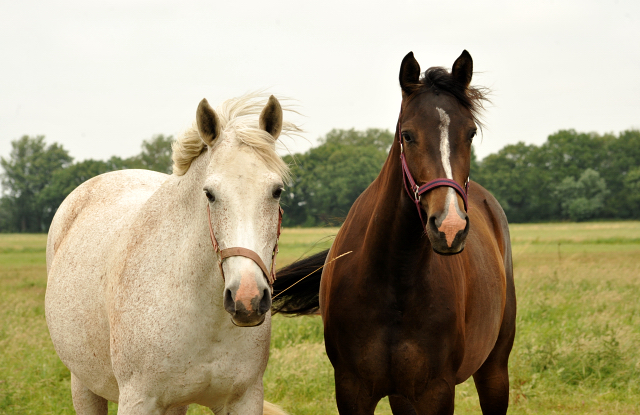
(223,254)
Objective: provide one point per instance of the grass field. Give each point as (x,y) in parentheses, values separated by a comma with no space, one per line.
(577,348)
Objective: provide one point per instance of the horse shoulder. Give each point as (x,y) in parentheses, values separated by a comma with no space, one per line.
(493,215)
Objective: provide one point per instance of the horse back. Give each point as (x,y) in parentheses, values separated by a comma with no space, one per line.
(101,204)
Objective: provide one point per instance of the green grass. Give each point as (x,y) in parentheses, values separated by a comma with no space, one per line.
(577,347)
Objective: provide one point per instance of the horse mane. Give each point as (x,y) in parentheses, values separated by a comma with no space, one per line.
(438,79)
(240,114)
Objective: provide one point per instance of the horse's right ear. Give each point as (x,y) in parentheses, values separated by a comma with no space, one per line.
(208,122)
(409,74)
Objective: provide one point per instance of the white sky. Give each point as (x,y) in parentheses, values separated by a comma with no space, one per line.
(99,77)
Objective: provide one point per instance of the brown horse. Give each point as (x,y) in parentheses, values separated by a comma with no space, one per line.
(418,307)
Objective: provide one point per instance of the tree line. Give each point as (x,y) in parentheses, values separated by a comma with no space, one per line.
(572,176)
(37,177)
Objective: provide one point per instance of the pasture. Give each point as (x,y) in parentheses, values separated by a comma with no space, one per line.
(577,348)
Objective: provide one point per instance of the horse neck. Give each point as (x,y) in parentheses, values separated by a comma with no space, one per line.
(395,217)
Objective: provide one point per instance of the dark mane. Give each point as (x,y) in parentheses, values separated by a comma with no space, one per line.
(438,79)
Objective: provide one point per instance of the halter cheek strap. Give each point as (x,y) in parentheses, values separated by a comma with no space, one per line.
(414,191)
(223,254)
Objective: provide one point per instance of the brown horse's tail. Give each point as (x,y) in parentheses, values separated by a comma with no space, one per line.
(297,286)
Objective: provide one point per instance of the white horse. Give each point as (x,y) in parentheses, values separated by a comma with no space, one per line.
(137,302)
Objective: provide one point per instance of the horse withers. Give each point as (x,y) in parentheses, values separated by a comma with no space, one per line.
(158,294)
(426,297)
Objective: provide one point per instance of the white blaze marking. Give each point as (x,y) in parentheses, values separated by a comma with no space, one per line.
(452,222)
(445,150)
(445,154)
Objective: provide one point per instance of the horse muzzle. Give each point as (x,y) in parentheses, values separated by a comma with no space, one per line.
(247,301)
(448,231)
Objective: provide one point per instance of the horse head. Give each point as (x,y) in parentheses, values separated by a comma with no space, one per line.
(437,123)
(241,189)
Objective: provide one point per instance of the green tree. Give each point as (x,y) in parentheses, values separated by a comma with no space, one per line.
(632,189)
(64,181)
(27,171)
(621,157)
(512,176)
(327,179)
(583,198)
(156,154)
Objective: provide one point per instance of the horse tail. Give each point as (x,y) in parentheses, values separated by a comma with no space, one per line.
(269,408)
(297,286)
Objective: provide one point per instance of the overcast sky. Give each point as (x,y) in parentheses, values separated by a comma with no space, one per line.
(99,77)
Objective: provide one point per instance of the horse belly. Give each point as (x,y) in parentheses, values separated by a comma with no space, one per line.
(80,334)
(77,321)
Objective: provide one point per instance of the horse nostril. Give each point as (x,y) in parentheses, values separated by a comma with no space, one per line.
(432,224)
(229,303)
(265,302)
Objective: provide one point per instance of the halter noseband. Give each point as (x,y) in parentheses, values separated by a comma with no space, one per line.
(414,191)
(223,254)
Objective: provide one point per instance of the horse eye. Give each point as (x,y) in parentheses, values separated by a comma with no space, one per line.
(406,137)
(472,134)
(277,193)
(209,196)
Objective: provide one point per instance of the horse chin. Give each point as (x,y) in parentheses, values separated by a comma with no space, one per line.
(448,253)
(440,245)
(242,322)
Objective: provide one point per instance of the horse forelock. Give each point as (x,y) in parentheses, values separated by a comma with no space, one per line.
(438,79)
(239,122)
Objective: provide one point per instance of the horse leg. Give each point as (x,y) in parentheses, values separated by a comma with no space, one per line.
(438,398)
(492,379)
(492,384)
(86,402)
(249,403)
(401,406)
(135,402)
(352,397)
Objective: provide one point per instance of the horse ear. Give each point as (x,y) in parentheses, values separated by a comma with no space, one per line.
(271,117)
(463,69)
(208,122)
(409,73)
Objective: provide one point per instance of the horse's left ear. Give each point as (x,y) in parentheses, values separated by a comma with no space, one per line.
(463,69)
(271,117)
(208,122)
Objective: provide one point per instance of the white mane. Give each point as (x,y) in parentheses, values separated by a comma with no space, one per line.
(240,114)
